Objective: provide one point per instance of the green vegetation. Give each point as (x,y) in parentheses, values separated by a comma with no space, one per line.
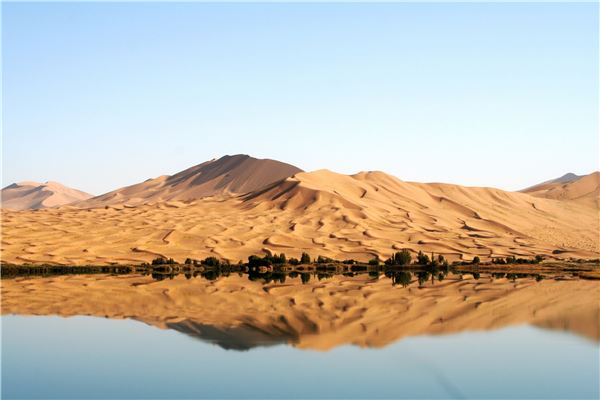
(399,258)
(399,268)
(305,258)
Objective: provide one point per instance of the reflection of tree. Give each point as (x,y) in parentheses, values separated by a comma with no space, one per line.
(402,277)
(422,276)
(374,274)
(305,276)
(321,276)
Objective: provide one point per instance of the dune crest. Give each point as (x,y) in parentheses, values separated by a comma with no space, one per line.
(584,189)
(33,195)
(323,213)
(229,175)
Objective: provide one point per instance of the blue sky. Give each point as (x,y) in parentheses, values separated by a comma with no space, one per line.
(102,95)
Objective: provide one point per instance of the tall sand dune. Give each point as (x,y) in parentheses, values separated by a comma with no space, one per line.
(228,175)
(34,195)
(323,213)
(584,189)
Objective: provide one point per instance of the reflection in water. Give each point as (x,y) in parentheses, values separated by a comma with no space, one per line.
(402,276)
(316,309)
(101,358)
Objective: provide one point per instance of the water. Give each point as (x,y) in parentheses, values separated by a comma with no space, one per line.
(90,357)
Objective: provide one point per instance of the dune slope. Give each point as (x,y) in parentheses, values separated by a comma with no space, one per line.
(236,174)
(322,212)
(584,189)
(34,195)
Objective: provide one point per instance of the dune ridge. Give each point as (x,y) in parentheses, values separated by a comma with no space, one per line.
(324,213)
(584,189)
(33,195)
(229,175)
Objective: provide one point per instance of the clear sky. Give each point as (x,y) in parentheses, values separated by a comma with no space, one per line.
(102,95)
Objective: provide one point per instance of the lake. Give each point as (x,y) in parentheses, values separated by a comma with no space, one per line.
(131,336)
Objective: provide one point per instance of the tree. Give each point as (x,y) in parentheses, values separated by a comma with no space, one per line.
(294,261)
(305,258)
(211,261)
(374,261)
(476,260)
(422,259)
(256,261)
(402,257)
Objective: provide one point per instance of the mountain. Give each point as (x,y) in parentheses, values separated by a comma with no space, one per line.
(229,175)
(322,212)
(582,188)
(33,195)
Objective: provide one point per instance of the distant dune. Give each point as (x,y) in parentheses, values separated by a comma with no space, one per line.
(228,175)
(321,212)
(33,195)
(585,188)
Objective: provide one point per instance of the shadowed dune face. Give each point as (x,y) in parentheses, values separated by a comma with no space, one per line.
(239,314)
(228,175)
(33,195)
(322,213)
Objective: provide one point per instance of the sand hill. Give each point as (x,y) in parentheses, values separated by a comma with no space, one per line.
(322,212)
(33,195)
(581,188)
(228,175)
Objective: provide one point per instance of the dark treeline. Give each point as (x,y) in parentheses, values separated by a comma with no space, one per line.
(401,267)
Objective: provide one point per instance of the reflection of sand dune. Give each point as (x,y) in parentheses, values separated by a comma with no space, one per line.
(321,212)
(239,314)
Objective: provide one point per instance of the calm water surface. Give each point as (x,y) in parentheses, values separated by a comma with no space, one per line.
(90,357)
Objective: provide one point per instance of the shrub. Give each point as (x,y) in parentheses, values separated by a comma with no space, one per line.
(476,260)
(374,261)
(256,261)
(211,261)
(294,261)
(323,260)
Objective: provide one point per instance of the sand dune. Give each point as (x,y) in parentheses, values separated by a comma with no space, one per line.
(322,212)
(584,189)
(236,174)
(34,195)
(239,314)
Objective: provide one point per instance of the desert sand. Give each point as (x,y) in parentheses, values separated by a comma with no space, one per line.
(237,313)
(322,212)
(34,195)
